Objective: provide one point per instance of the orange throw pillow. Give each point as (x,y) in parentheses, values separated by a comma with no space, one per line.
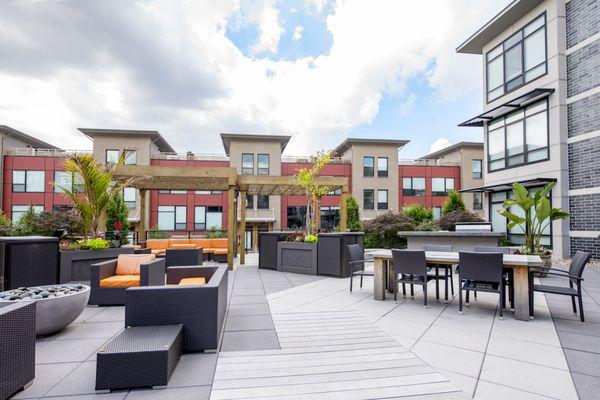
(119,281)
(129,264)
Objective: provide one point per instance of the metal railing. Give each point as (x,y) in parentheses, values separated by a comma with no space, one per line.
(31,152)
(258,214)
(189,156)
(429,163)
(306,160)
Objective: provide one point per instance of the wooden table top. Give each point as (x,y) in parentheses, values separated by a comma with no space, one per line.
(442,257)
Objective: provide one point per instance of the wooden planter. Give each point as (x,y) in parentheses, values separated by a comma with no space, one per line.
(75,265)
(297,257)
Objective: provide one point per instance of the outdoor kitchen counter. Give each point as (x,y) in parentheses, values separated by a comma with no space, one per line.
(460,240)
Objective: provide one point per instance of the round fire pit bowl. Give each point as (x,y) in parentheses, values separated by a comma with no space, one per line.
(57,306)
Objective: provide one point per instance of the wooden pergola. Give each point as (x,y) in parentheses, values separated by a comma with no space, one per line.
(154,177)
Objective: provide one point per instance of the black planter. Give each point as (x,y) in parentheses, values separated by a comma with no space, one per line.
(28,261)
(75,265)
(297,257)
(333,258)
(267,248)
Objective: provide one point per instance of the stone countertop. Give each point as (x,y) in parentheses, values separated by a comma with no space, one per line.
(450,234)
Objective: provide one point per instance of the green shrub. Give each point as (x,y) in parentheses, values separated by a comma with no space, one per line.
(418,213)
(116,219)
(5,225)
(352,215)
(154,233)
(48,223)
(215,233)
(427,225)
(448,221)
(382,232)
(96,244)
(453,202)
(311,238)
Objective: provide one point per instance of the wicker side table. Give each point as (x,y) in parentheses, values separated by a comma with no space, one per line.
(142,356)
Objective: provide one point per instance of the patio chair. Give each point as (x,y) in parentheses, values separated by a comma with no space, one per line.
(410,267)
(446,267)
(481,272)
(184,257)
(574,274)
(357,263)
(110,279)
(507,271)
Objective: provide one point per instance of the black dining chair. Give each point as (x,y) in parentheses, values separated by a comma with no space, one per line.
(508,272)
(574,274)
(410,267)
(481,272)
(446,267)
(357,263)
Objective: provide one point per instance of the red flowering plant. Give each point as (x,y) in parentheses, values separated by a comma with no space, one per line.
(296,236)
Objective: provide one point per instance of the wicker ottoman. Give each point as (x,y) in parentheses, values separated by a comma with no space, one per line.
(142,356)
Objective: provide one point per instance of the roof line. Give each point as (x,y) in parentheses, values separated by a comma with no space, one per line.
(33,141)
(450,148)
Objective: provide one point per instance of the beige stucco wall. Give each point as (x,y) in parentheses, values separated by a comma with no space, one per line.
(557,165)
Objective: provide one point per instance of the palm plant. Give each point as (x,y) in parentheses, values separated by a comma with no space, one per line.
(91,189)
(538,215)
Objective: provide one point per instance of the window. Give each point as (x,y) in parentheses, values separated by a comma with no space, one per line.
(382,167)
(208,191)
(64,179)
(172,218)
(249,202)
(518,138)
(437,212)
(262,161)
(129,196)
(413,186)
(441,186)
(296,217)
(368,166)
(18,211)
(28,181)
(477,168)
(214,217)
(368,199)
(517,61)
(247,164)
(477,201)
(130,157)
(200,218)
(382,199)
(112,156)
(262,202)
(163,191)
(330,217)
(336,192)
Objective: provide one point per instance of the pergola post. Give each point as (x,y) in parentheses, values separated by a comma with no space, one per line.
(344,211)
(142,223)
(242,228)
(231,226)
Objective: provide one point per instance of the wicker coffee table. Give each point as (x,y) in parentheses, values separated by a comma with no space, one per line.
(142,356)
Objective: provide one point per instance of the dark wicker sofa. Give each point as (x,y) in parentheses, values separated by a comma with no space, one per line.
(17,346)
(151,274)
(200,309)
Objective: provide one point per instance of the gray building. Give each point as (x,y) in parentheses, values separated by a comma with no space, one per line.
(541,112)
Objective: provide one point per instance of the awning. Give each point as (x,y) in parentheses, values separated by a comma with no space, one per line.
(508,186)
(521,101)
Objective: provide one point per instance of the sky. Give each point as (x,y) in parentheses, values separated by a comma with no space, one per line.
(318,70)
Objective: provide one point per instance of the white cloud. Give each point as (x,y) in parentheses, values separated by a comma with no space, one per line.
(169,66)
(439,144)
(298,32)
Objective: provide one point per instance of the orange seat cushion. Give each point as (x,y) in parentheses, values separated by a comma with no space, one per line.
(173,242)
(157,251)
(220,251)
(207,250)
(192,281)
(204,243)
(129,264)
(120,281)
(218,243)
(183,246)
(157,243)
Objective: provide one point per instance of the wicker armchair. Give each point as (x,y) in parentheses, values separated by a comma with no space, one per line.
(151,274)
(17,346)
(201,309)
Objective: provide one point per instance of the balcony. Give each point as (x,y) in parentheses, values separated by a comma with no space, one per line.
(31,152)
(306,160)
(253,215)
(429,163)
(189,157)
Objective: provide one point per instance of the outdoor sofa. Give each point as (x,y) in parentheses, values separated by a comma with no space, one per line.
(215,249)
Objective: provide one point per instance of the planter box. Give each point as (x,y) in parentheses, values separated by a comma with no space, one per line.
(28,261)
(75,265)
(297,257)
(333,256)
(267,248)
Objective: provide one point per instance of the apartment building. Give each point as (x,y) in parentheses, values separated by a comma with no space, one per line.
(541,119)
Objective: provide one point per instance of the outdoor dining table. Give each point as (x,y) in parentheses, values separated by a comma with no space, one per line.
(520,264)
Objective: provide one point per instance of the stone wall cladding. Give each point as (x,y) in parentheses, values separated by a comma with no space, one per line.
(583,69)
(584,164)
(583,20)
(589,245)
(583,116)
(584,212)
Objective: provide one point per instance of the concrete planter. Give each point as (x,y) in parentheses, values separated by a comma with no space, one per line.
(75,265)
(297,257)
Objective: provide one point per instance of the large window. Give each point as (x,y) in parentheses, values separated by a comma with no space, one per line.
(477,168)
(518,138)
(296,217)
(413,186)
(28,181)
(247,164)
(199,218)
(262,164)
(214,217)
(330,217)
(520,59)
(112,156)
(64,179)
(382,199)
(368,166)
(262,202)
(130,157)
(129,196)
(249,202)
(382,167)
(172,218)
(441,186)
(477,201)
(368,199)
(18,211)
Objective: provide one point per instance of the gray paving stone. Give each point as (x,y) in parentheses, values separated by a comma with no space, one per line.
(587,386)
(81,381)
(190,393)
(258,299)
(584,328)
(237,310)
(114,313)
(250,322)
(250,340)
(583,362)
(99,396)
(95,330)
(46,377)
(195,369)
(62,351)
(576,341)
(248,291)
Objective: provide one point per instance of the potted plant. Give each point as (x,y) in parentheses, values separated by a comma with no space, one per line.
(538,215)
(298,254)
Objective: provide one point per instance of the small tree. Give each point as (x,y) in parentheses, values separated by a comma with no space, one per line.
(352,215)
(307,179)
(454,202)
(116,218)
(28,224)
(418,213)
